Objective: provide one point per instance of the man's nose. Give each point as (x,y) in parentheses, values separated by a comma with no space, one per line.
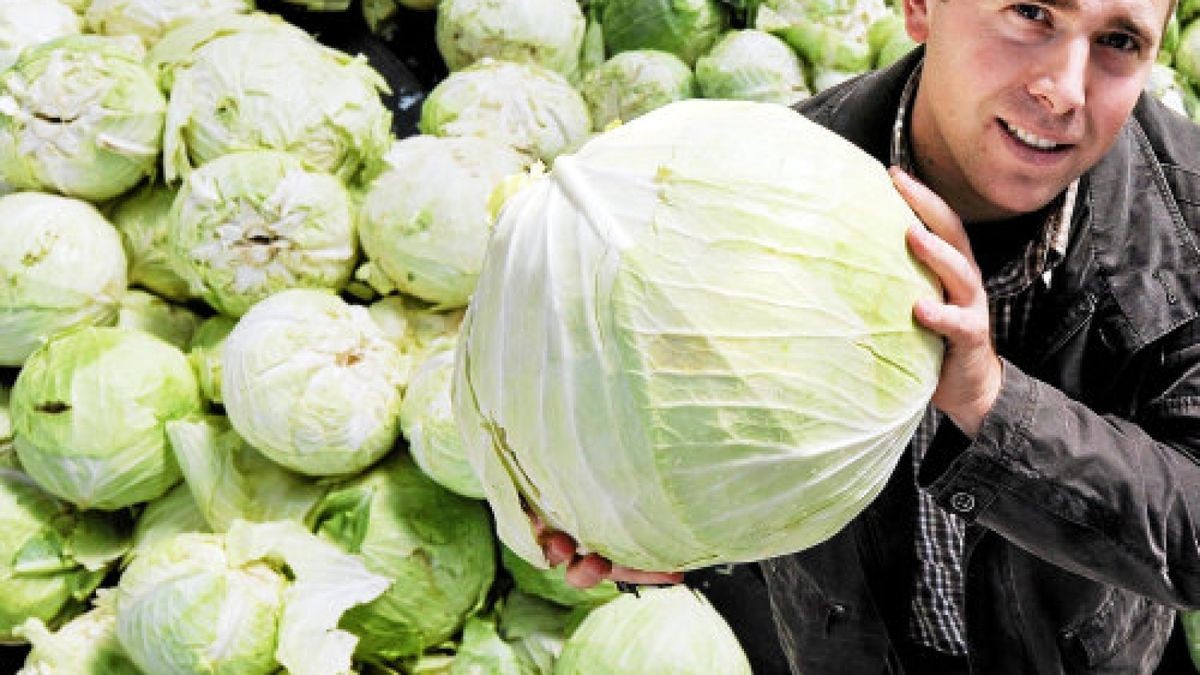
(1060,83)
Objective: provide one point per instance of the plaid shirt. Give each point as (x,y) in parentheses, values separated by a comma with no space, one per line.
(938,619)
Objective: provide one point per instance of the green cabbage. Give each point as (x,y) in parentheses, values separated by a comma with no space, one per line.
(276,90)
(672,631)
(546,32)
(685,28)
(436,548)
(427,421)
(249,224)
(151,19)
(752,65)
(692,341)
(428,240)
(533,109)
(88,413)
(633,83)
(143,311)
(312,383)
(143,219)
(86,645)
(80,115)
(44,287)
(24,23)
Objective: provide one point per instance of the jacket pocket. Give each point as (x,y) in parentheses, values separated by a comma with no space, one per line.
(1126,634)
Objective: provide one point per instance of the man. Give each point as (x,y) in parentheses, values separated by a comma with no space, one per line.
(1057,524)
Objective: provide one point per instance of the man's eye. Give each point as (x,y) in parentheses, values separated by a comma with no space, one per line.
(1032,12)
(1120,41)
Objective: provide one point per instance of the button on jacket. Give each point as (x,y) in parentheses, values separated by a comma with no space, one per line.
(1082,488)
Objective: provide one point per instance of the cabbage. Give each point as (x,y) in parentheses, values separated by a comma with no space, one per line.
(427,240)
(249,224)
(51,556)
(242,92)
(692,342)
(143,219)
(207,603)
(174,513)
(204,354)
(685,28)
(150,19)
(533,109)
(413,326)
(142,311)
(672,631)
(311,383)
(754,66)
(24,23)
(546,32)
(61,267)
(176,48)
(436,548)
(633,83)
(88,411)
(230,480)
(6,433)
(86,645)
(427,421)
(829,34)
(80,115)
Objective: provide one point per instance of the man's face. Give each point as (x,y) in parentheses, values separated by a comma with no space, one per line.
(1017,99)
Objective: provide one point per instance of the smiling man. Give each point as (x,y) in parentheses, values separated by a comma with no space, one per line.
(1046,517)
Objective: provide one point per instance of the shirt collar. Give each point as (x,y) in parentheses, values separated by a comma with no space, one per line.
(1042,255)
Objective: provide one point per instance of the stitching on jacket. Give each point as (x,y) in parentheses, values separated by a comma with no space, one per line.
(1164,190)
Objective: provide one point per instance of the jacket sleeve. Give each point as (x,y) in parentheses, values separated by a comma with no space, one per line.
(1113,499)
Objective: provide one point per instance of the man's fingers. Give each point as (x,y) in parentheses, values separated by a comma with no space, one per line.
(588,571)
(633,576)
(960,326)
(558,548)
(958,274)
(932,210)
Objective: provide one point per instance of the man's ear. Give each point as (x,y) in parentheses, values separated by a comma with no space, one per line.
(916,19)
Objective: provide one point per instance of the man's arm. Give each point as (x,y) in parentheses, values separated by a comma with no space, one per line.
(1105,497)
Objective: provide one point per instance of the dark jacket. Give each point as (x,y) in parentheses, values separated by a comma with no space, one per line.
(1082,488)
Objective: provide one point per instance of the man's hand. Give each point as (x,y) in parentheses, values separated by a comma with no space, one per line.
(971,371)
(588,570)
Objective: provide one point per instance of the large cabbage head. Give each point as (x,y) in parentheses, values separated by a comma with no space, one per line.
(633,83)
(61,266)
(247,602)
(663,630)
(751,65)
(435,547)
(686,28)
(546,32)
(149,20)
(80,115)
(52,556)
(693,343)
(143,219)
(312,383)
(533,109)
(249,224)
(427,421)
(88,413)
(429,240)
(24,23)
(276,90)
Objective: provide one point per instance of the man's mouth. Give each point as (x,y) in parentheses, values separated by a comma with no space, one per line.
(1031,139)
